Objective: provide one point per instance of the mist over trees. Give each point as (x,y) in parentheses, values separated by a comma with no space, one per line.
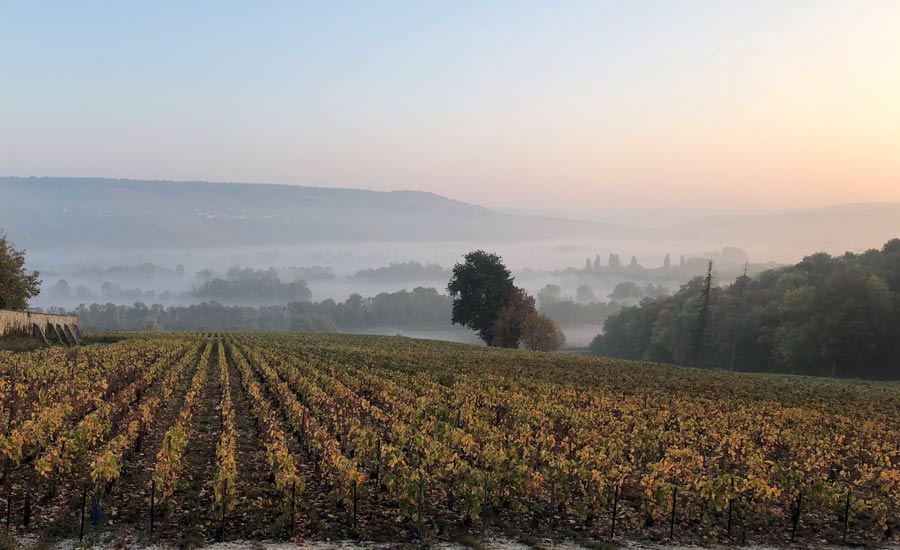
(729,260)
(262,301)
(253,286)
(630,293)
(570,314)
(420,308)
(405,271)
(550,294)
(825,316)
(585,295)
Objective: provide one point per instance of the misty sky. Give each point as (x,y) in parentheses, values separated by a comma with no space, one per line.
(540,105)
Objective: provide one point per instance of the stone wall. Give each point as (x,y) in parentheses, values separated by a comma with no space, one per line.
(23,322)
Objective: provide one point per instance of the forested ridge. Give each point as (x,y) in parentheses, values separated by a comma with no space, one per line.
(825,316)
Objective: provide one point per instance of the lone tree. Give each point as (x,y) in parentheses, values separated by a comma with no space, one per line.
(510,322)
(541,333)
(480,286)
(16,284)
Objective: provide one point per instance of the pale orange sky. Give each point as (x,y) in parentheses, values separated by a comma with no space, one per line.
(540,105)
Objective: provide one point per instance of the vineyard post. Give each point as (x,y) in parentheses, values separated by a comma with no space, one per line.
(484,509)
(846,517)
(672,518)
(293,505)
(9,421)
(8,505)
(83,506)
(421,509)
(355,495)
(224,505)
(730,507)
(378,461)
(796,518)
(152,504)
(550,522)
(26,512)
(612,527)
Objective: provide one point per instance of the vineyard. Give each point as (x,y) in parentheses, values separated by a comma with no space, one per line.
(201,437)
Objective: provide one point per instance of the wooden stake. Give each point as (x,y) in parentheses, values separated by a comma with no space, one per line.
(672,519)
(421,509)
(484,509)
(224,504)
(152,504)
(378,461)
(83,505)
(355,482)
(8,505)
(293,505)
(846,517)
(730,511)
(612,527)
(26,513)
(796,518)
(742,519)
(550,521)
(730,508)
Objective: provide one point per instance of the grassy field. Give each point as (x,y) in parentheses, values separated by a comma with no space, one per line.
(277,436)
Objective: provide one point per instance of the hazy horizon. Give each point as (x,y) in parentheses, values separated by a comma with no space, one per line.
(548,106)
(581,212)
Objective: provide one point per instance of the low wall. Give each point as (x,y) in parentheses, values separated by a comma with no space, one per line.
(22,322)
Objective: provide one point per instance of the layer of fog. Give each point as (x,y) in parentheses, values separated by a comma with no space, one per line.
(534,264)
(171,277)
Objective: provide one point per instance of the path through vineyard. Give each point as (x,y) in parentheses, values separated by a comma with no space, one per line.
(129,499)
(189,514)
(253,512)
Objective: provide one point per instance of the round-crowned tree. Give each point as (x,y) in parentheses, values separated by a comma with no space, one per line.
(480,286)
(541,333)
(508,326)
(17,285)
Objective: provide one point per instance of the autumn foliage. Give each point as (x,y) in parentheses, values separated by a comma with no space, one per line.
(387,436)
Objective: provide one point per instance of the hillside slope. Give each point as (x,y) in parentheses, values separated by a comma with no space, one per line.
(127,213)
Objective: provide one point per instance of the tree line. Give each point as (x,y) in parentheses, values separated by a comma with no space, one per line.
(825,316)
(418,308)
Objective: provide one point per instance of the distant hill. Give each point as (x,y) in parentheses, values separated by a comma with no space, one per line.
(111,214)
(44,212)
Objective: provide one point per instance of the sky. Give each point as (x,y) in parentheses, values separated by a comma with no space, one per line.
(556,105)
